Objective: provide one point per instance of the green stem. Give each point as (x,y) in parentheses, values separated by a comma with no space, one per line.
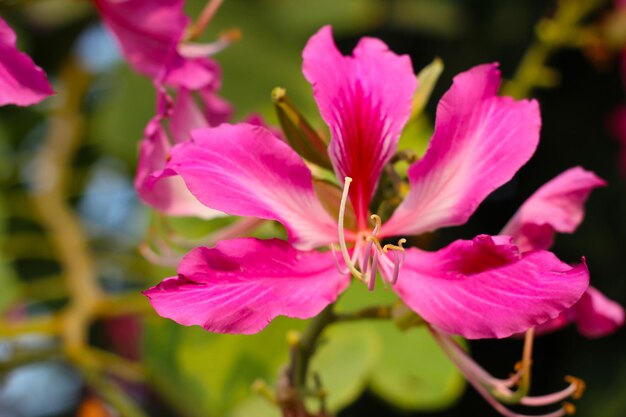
(377,312)
(307,345)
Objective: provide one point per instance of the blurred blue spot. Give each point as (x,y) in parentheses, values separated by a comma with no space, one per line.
(97,50)
(40,390)
(110,205)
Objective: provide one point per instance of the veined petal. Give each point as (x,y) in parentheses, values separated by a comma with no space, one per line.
(484,289)
(148,32)
(595,316)
(365,99)
(21,81)
(479,143)
(165,192)
(242,284)
(245,170)
(558,206)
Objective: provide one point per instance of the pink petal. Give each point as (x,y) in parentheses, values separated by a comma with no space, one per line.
(558,206)
(479,143)
(594,314)
(149,32)
(365,99)
(21,81)
(245,170)
(483,288)
(242,284)
(165,192)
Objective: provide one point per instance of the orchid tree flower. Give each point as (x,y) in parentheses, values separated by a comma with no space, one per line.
(21,81)
(154,37)
(558,206)
(174,120)
(477,288)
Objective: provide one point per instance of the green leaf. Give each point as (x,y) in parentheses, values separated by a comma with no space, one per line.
(209,374)
(305,140)
(344,363)
(257,407)
(413,373)
(427,79)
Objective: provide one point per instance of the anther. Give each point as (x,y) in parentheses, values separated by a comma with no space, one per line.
(569,408)
(374,240)
(397,260)
(378,222)
(579,384)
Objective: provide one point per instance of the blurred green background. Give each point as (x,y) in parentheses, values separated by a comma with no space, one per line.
(370,369)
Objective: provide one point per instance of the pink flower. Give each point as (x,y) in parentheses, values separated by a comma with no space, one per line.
(21,81)
(171,125)
(151,33)
(479,288)
(558,206)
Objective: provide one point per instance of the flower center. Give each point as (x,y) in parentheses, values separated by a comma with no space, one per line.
(367,249)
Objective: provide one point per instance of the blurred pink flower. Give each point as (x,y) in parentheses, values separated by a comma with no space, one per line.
(172,125)
(151,34)
(479,288)
(21,81)
(558,206)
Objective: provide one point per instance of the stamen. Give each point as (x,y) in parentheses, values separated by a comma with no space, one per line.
(542,400)
(580,386)
(569,408)
(466,366)
(366,257)
(378,222)
(374,239)
(396,267)
(372,278)
(205,17)
(397,260)
(342,238)
(339,268)
(398,247)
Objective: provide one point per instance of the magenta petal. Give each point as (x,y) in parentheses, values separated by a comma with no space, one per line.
(365,99)
(479,143)
(242,284)
(483,289)
(558,206)
(149,32)
(165,192)
(21,81)
(245,170)
(594,314)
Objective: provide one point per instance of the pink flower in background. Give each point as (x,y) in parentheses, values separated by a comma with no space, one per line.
(150,34)
(21,81)
(558,206)
(171,125)
(479,288)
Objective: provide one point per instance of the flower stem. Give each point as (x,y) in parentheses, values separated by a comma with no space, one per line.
(307,345)
(552,34)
